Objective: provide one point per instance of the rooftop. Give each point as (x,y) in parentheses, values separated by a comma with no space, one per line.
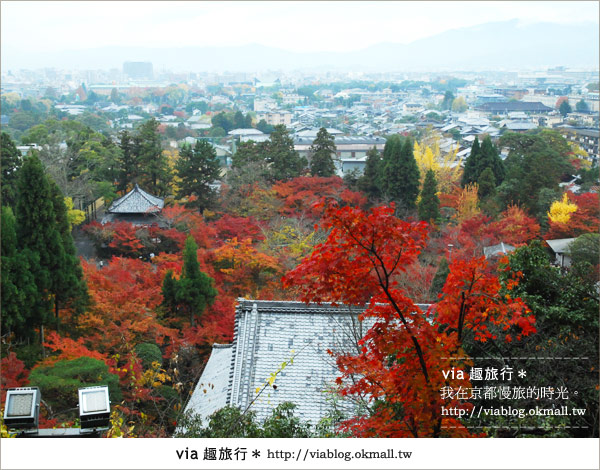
(137,201)
(267,334)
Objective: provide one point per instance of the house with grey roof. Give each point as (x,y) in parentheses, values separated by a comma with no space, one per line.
(562,250)
(351,150)
(268,334)
(137,207)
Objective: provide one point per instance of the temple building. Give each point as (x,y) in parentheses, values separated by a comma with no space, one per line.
(137,207)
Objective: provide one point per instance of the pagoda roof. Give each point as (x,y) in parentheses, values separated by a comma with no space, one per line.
(137,201)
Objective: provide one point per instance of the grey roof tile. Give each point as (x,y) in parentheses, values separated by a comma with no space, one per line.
(269,333)
(137,201)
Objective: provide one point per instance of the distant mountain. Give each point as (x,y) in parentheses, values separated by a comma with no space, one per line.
(506,44)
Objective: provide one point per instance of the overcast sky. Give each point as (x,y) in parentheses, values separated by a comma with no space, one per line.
(297,26)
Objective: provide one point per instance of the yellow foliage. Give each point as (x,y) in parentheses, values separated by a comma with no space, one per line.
(295,240)
(446,167)
(468,203)
(74,216)
(580,154)
(560,211)
(11,98)
(172,156)
(118,429)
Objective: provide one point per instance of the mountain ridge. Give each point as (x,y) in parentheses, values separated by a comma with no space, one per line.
(502,44)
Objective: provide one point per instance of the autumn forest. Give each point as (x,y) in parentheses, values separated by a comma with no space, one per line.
(142,312)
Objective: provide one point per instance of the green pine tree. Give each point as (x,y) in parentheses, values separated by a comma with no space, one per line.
(370,181)
(194,290)
(68,285)
(321,151)
(400,178)
(127,161)
(169,293)
(197,169)
(38,233)
(154,171)
(489,158)
(471,164)
(429,205)
(10,162)
(19,291)
(487,184)
(285,162)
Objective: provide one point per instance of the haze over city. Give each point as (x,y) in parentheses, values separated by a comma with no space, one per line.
(283,35)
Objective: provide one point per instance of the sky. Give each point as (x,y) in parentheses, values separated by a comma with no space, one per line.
(52,26)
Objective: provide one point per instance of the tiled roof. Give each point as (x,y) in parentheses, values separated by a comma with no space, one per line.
(210,393)
(510,106)
(269,333)
(137,201)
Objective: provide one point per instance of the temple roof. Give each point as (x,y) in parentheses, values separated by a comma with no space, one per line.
(268,334)
(137,201)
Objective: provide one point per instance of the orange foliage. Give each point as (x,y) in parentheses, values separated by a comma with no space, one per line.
(243,270)
(125,294)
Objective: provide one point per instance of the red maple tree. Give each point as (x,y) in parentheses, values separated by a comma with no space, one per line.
(399,367)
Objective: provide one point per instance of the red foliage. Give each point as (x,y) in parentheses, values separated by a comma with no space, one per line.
(229,227)
(402,356)
(300,195)
(584,220)
(124,239)
(514,227)
(69,349)
(470,301)
(184,220)
(13,374)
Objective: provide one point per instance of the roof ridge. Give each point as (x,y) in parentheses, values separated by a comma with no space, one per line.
(122,199)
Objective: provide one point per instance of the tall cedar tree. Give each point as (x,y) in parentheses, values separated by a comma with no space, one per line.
(154,170)
(194,291)
(285,162)
(370,181)
(10,164)
(490,159)
(42,228)
(246,153)
(482,157)
(321,151)
(68,286)
(37,233)
(19,290)
(129,170)
(400,176)
(429,205)
(487,184)
(197,169)
(470,167)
